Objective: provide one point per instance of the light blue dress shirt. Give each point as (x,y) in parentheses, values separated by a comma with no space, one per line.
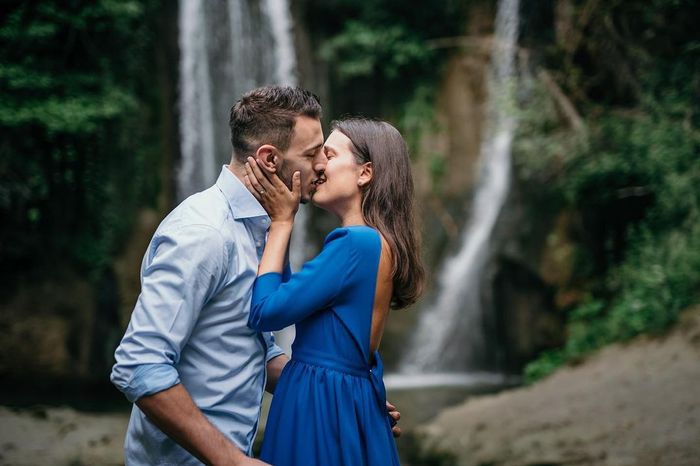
(189,324)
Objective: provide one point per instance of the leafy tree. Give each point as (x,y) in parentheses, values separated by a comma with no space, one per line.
(74,156)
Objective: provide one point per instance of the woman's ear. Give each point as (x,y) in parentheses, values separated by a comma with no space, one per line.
(366,173)
(267,157)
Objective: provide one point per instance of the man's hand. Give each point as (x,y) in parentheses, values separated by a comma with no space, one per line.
(395,416)
(274,370)
(173,411)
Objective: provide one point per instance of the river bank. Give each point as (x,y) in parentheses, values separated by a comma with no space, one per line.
(633,404)
(61,436)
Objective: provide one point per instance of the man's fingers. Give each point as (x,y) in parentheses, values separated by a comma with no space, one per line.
(395,415)
(390,407)
(396,431)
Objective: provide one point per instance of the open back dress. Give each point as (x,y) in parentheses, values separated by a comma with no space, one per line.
(329,403)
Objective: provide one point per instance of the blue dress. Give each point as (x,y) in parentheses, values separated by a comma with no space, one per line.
(329,404)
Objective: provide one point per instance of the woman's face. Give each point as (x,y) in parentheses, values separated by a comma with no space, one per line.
(339,185)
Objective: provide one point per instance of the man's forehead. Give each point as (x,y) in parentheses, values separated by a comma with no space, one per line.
(308,133)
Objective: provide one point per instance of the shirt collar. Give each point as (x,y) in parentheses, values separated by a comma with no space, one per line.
(240,200)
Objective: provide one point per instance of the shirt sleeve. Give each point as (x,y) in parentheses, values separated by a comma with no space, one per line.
(185,270)
(277,304)
(272,349)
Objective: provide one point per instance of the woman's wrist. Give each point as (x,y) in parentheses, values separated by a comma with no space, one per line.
(282,223)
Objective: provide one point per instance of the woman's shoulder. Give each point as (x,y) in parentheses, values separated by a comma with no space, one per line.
(355,237)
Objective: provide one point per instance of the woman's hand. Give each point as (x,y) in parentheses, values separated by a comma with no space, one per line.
(280,203)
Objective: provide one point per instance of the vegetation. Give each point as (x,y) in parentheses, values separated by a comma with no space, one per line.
(632,177)
(76,155)
(383,60)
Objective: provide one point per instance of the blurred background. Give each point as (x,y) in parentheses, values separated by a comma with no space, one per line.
(555,148)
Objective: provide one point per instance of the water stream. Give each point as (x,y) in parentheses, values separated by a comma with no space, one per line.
(450,344)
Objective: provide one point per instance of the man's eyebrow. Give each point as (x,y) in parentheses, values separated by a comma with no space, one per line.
(314,148)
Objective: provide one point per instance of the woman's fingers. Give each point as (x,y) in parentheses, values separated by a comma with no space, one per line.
(253,180)
(253,191)
(262,178)
(296,185)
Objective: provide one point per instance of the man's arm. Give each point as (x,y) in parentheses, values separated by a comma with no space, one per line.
(184,270)
(174,412)
(274,370)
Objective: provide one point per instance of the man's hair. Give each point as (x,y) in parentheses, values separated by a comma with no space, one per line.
(267,115)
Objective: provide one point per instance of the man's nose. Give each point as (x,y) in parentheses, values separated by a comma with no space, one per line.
(320,162)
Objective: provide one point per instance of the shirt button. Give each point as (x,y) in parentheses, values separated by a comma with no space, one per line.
(265,221)
(258,243)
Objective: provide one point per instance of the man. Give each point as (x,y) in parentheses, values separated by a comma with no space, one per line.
(188,361)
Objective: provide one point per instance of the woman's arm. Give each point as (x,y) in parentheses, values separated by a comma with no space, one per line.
(315,287)
(275,304)
(281,205)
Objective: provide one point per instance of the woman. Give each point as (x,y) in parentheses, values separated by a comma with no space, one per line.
(329,403)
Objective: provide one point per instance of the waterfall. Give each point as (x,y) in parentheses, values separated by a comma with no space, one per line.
(450,337)
(196,126)
(228,48)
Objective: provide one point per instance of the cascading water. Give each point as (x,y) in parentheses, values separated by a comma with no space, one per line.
(450,336)
(228,48)
(225,49)
(196,126)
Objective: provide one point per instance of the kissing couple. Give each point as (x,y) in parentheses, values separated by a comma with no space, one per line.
(215,281)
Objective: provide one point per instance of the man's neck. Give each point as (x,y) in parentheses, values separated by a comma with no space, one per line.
(237,169)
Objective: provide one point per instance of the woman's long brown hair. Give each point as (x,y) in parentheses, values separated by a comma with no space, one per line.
(387,201)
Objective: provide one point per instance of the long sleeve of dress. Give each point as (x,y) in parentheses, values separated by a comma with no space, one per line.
(276,305)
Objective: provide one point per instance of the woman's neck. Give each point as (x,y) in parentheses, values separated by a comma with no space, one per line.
(352,216)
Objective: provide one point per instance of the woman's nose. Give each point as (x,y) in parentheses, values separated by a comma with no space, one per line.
(320,162)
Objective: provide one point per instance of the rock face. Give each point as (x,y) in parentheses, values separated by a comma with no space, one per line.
(630,404)
(47,329)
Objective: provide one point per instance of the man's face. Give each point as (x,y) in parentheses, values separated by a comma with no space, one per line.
(305,154)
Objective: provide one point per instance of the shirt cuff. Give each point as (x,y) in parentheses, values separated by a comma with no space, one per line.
(272,352)
(149,379)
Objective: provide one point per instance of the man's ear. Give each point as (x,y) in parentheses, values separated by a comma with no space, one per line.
(366,173)
(268,158)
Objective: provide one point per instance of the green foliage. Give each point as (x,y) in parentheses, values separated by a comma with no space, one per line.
(383,59)
(365,51)
(74,158)
(633,180)
(645,164)
(659,278)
